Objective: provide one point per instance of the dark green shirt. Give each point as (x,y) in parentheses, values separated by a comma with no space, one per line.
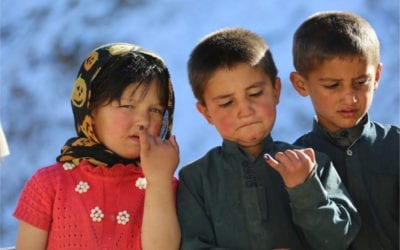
(229,200)
(369,167)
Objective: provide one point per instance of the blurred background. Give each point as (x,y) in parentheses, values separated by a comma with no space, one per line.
(43,43)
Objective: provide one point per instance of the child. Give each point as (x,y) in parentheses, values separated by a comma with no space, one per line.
(336,56)
(230,198)
(112,186)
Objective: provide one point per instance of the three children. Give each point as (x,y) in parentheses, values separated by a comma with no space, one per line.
(229,198)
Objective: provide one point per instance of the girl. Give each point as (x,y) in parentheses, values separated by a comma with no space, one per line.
(112,186)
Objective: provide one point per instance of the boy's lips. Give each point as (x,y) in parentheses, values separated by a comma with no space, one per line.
(246,125)
(348,112)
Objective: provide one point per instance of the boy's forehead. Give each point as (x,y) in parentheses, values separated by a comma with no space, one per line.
(352,59)
(336,65)
(237,73)
(229,80)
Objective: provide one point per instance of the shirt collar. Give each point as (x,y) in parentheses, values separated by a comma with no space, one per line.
(343,137)
(230,147)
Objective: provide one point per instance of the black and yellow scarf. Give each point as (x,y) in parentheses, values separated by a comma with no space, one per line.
(86,145)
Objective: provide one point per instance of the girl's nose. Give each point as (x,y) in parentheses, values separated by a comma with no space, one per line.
(142,119)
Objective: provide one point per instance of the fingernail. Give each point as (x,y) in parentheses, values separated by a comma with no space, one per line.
(267,157)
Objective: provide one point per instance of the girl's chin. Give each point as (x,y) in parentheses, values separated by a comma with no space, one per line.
(130,156)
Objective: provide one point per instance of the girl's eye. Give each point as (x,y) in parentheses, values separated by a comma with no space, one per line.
(156,110)
(127,106)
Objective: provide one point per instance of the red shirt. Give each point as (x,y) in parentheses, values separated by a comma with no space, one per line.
(85,207)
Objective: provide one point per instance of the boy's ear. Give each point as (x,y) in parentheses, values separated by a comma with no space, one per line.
(378,75)
(204,111)
(277,89)
(298,83)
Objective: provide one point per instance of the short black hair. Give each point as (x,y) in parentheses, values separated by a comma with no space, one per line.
(227,48)
(330,34)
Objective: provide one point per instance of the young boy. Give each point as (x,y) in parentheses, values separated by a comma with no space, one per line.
(336,56)
(230,198)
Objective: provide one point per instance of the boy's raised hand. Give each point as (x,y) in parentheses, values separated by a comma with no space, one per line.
(294,165)
(159,158)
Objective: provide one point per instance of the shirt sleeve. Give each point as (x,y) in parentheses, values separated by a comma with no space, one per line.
(196,227)
(323,208)
(36,201)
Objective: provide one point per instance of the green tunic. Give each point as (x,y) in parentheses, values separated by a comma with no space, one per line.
(229,200)
(369,168)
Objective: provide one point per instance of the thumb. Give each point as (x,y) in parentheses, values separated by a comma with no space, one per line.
(310,153)
(174,143)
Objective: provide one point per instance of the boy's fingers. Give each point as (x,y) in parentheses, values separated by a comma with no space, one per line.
(272,162)
(310,153)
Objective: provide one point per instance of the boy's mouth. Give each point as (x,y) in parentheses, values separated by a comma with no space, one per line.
(348,112)
(246,125)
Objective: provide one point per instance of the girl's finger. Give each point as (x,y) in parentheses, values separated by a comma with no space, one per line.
(174,143)
(143,138)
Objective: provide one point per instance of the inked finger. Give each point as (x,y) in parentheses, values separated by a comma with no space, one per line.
(271,161)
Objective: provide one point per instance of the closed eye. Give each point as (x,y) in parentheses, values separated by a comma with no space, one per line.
(127,106)
(362,83)
(259,93)
(225,104)
(331,86)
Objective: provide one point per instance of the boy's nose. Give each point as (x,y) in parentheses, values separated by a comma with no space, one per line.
(245,109)
(350,98)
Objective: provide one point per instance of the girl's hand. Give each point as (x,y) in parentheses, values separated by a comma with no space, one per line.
(294,165)
(159,158)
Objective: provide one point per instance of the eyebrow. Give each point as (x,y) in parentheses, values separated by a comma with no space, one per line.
(254,85)
(340,79)
(328,79)
(130,100)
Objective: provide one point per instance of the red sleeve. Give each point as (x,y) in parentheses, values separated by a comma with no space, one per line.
(35,204)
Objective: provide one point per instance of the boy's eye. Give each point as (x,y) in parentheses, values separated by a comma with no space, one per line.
(225,104)
(332,86)
(258,93)
(363,82)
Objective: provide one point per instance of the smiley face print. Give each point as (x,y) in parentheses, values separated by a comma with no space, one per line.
(92,59)
(79,93)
